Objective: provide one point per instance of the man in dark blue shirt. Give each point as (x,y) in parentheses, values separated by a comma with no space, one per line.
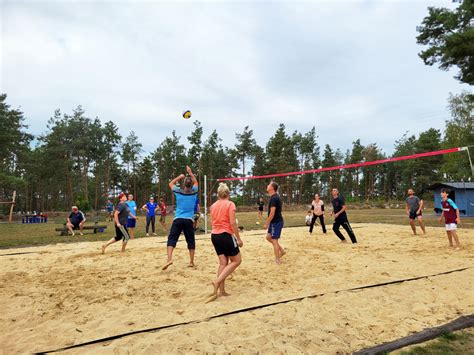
(340,217)
(75,220)
(274,221)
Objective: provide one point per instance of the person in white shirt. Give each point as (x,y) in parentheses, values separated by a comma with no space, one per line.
(317,206)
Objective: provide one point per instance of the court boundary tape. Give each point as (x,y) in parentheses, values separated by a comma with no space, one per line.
(246,309)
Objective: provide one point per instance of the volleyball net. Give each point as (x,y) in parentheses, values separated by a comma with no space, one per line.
(354,165)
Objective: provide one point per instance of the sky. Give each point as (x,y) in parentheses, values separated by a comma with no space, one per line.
(349,68)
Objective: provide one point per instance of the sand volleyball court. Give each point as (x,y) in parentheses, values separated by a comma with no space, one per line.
(66,294)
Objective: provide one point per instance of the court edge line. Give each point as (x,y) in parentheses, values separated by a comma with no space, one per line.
(247,309)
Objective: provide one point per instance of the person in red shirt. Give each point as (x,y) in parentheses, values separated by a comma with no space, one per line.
(451,218)
(225,238)
(163,212)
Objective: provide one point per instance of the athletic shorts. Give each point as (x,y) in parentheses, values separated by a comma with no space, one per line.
(131,223)
(163,218)
(275,229)
(182,225)
(76,225)
(451,226)
(121,232)
(414,215)
(260,209)
(225,244)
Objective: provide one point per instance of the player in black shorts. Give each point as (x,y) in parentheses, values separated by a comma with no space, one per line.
(121,215)
(340,217)
(260,205)
(226,240)
(414,206)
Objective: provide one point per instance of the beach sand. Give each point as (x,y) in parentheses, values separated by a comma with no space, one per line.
(60,295)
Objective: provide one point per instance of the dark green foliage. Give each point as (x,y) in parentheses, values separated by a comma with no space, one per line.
(449,36)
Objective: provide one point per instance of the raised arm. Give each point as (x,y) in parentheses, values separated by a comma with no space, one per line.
(190,172)
(173,182)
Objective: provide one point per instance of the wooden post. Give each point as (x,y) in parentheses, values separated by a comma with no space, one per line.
(11,207)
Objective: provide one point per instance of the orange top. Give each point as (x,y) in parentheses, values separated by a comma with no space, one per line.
(220,213)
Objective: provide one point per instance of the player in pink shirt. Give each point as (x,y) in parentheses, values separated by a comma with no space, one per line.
(225,238)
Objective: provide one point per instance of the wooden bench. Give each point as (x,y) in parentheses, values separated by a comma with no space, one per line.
(95,227)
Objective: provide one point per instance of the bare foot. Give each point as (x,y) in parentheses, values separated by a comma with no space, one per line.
(344,241)
(225,294)
(278,261)
(167,265)
(191,265)
(457,248)
(103,249)
(283,252)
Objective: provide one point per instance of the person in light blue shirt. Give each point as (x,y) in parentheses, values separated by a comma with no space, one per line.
(185,197)
(132,205)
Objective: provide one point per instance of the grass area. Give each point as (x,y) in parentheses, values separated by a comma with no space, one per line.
(461,343)
(20,235)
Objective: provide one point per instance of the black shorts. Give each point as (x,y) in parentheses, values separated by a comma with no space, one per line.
(76,225)
(121,232)
(225,244)
(414,215)
(182,225)
(260,209)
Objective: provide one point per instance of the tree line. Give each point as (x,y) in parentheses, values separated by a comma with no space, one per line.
(83,161)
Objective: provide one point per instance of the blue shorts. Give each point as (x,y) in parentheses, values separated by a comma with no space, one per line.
(131,223)
(275,229)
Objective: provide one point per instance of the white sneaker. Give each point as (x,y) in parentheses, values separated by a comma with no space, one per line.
(147,235)
(73,234)
(81,233)
(155,234)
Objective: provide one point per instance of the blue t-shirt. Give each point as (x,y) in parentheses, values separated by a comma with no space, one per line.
(151,208)
(133,208)
(185,202)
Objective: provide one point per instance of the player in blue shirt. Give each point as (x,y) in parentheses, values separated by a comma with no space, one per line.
(150,208)
(133,211)
(185,197)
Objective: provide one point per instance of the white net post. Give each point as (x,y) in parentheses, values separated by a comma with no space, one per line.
(205,204)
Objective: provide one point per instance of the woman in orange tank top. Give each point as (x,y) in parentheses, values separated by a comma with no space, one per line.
(225,238)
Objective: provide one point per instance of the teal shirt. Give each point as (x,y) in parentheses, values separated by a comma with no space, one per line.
(185,202)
